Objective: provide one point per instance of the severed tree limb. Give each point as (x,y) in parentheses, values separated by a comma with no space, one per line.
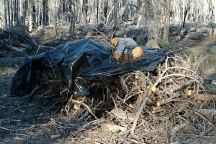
(203,97)
(183,86)
(165,101)
(15,48)
(85,105)
(139,112)
(207,112)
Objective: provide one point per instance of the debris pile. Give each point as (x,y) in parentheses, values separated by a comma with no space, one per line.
(169,105)
(73,68)
(159,98)
(15,42)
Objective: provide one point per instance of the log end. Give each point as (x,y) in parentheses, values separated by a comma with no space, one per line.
(138,52)
(115,41)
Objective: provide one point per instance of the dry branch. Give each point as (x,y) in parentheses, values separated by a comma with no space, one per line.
(168,103)
(207,112)
(203,97)
(15,48)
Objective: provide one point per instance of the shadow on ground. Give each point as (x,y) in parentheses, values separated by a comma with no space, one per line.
(31,122)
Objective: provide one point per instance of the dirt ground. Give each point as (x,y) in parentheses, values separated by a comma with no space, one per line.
(29,122)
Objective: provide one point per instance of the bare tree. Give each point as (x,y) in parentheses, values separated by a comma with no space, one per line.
(150,15)
(16,12)
(115,13)
(45,13)
(167,20)
(72,16)
(5,19)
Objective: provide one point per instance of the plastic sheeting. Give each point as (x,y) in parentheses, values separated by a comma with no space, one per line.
(74,65)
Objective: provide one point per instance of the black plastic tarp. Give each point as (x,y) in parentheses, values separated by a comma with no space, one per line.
(75,65)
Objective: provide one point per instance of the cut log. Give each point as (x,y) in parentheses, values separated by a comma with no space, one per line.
(138,53)
(122,44)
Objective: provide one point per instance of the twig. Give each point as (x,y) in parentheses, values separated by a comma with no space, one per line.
(37,87)
(165,101)
(139,113)
(85,105)
(6,129)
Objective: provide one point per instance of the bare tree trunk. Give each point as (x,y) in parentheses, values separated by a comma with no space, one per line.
(92,11)
(31,14)
(167,21)
(105,8)
(9,14)
(185,14)
(16,12)
(124,10)
(4,13)
(101,17)
(45,21)
(72,17)
(141,14)
(1,15)
(115,13)
(24,12)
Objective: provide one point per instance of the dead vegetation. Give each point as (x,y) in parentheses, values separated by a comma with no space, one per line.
(170,100)
(15,42)
(169,105)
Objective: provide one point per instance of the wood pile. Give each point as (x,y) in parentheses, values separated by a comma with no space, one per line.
(126,50)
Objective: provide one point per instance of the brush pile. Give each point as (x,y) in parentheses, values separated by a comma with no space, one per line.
(167,106)
(15,42)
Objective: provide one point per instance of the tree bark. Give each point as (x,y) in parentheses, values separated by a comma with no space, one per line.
(72,17)
(45,21)
(9,13)
(24,13)
(115,13)
(5,20)
(167,21)
(16,13)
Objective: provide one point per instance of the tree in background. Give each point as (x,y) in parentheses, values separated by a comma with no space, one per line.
(150,15)
(167,10)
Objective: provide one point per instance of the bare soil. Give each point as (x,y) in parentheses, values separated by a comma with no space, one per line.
(23,121)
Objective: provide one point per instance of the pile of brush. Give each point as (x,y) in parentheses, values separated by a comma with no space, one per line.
(169,105)
(16,41)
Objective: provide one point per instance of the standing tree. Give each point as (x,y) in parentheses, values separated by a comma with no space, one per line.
(167,5)
(115,13)
(16,13)
(45,20)
(72,16)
